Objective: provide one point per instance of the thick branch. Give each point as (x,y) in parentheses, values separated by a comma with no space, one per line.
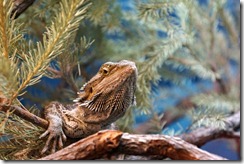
(92,147)
(97,145)
(103,142)
(201,136)
(172,147)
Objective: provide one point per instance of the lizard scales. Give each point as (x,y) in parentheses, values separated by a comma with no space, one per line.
(100,102)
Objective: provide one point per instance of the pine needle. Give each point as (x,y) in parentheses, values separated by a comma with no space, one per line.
(66,22)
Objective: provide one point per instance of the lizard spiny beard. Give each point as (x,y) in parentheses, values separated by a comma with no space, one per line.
(116,94)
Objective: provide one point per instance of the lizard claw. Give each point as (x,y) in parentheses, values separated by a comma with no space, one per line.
(55,138)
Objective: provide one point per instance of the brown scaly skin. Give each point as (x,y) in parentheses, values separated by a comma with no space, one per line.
(101,101)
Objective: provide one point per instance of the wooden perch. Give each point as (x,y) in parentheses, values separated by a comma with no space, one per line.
(172,147)
(103,142)
(92,147)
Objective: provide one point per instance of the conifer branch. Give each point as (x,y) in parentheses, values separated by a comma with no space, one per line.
(4,7)
(166,33)
(229,25)
(8,77)
(65,24)
(201,136)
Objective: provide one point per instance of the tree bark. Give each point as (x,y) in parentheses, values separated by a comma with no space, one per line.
(104,142)
(95,146)
(172,147)
(92,147)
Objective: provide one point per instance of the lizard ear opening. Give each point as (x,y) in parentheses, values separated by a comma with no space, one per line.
(90,89)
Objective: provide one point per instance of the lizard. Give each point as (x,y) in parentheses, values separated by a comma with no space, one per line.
(99,103)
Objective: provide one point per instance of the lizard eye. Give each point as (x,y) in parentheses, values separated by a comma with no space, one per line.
(105,71)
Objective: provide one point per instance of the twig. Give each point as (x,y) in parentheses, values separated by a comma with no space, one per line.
(103,142)
(68,78)
(20,6)
(25,114)
(57,74)
(229,26)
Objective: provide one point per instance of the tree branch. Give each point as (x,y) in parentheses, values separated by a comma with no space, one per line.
(92,147)
(96,145)
(25,114)
(201,136)
(172,147)
(20,6)
(103,142)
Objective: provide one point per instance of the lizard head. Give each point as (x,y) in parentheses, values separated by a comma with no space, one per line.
(112,87)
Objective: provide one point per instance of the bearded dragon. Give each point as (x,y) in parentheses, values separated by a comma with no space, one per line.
(100,102)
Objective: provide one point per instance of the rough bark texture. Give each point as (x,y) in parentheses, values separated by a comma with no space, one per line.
(172,147)
(92,147)
(160,147)
(107,141)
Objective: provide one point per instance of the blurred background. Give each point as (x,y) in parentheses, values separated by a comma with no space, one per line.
(187,53)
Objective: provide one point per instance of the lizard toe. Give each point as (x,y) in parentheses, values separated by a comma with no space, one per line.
(46,147)
(60,143)
(54,145)
(63,136)
(44,134)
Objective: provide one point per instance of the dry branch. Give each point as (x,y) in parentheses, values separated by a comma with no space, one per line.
(92,147)
(103,142)
(172,147)
(25,114)
(201,136)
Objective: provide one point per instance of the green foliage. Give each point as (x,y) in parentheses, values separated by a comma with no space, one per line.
(20,139)
(54,43)
(69,38)
(8,80)
(25,67)
(211,110)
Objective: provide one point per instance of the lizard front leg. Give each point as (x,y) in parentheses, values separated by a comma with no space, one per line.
(56,136)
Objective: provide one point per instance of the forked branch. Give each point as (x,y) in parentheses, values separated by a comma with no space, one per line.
(103,142)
